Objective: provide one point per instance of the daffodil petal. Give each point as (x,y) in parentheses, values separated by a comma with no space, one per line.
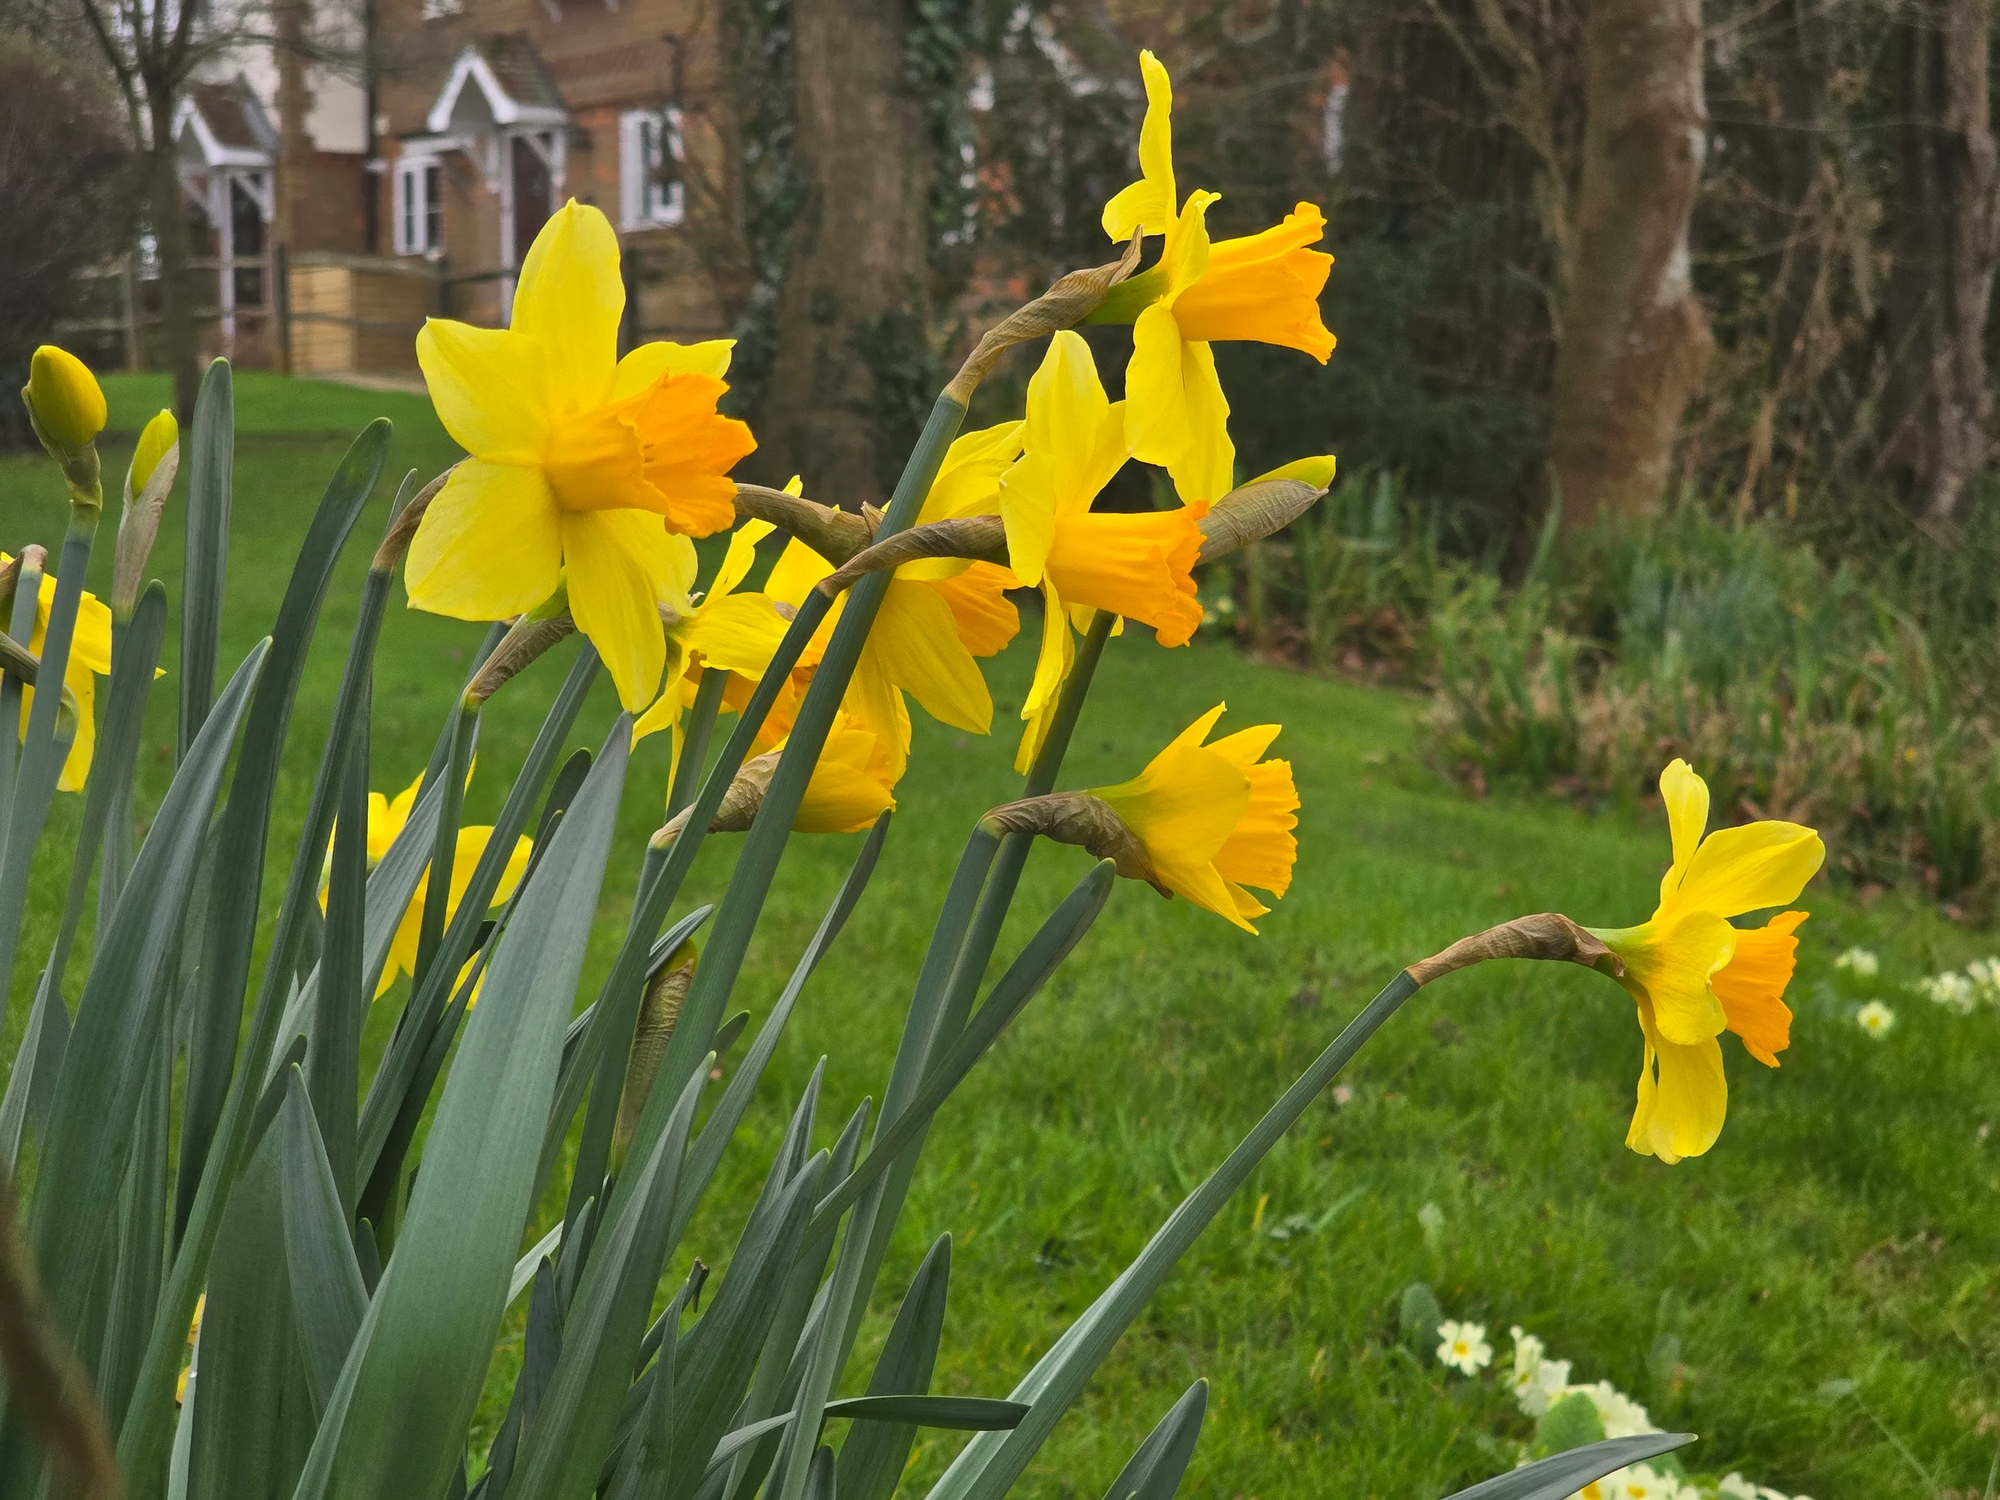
(1686,797)
(649,362)
(1156,405)
(1149,202)
(570,298)
(915,643)
(1053,660)
(490,546)
(1028,500)
(1067,408)
(489,386)
(1745,869)
(616,560)
(1205,469)
(1681,1114)
(737,633)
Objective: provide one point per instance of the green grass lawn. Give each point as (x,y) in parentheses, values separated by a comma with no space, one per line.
(1843,1230)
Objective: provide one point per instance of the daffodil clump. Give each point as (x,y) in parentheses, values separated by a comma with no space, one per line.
(283,1165)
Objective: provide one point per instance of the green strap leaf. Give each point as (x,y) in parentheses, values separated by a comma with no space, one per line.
(573,1430)
(135,653)
(1155,1471)
(94,1117)
(956,1413)
(253,1421)
(873,1457)
(328,1297)
(1566,1473)
(239,868)
(210,447)
(421,1357)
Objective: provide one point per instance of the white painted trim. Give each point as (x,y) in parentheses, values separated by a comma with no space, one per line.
(213,152)
(504,107)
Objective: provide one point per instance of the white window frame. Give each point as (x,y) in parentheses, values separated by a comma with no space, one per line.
(442,10)
(644,138)
(416,216)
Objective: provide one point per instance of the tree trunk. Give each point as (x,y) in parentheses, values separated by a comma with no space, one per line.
(854,289)
(290,179)
(1634,340)
(1937,402)
(176,349)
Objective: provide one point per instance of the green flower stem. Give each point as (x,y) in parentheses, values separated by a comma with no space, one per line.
(987,1466)
(945,1017)
(437,891)
(736,917)
(993,906)
(20,626)
(757,862)
(42,754)
(694,744)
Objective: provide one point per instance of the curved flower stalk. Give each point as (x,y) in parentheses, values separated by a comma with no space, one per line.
(1203,821)
(89,659)
(1263,287)
(582,463)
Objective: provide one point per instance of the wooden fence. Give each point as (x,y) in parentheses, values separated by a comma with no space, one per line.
(310,314)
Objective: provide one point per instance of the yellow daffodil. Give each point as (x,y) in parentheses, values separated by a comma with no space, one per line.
(1263,287)
(719,630)
(89,659)
(581,463)
(936,615)
(853,783)
(386,817)
(1137,565)
(1695,976)
(1214,818)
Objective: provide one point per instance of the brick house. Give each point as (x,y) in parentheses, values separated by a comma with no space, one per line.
(433,166)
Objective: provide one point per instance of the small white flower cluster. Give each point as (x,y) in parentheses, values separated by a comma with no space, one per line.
(1964,993)
(1861,962)
(1539,1382)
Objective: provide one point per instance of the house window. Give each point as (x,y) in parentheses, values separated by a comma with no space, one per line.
(419,207)
(651,155)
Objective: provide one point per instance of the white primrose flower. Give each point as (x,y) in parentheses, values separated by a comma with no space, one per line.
(1955,992)
(1861,962)
(1463,1347)
(1876,1019)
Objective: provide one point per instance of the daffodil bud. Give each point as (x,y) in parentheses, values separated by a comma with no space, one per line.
(155,462)
(161,437)
(526,640)
(1267,504)
(659,1010)
(66,405)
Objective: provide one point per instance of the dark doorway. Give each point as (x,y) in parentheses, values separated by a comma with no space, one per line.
(534,187)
